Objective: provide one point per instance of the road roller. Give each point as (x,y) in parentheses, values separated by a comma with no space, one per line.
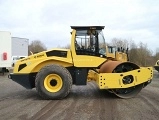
(117,53)
(156,66)
(53,72)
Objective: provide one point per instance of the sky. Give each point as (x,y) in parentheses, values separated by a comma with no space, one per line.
(49,20)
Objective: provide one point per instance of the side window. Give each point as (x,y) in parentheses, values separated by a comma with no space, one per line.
(81,42)
(90,42)
(85,43)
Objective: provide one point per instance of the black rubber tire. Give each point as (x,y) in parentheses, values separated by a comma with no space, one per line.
(53,69)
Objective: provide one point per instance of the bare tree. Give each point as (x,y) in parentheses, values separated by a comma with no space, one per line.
(138,53)
(132,52)
(36,46)
(121,43)
(143,54)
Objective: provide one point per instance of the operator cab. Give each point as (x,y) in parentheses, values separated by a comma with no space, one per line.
(89,40)
(110,51)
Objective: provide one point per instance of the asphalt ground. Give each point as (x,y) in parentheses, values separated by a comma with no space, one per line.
(83,103)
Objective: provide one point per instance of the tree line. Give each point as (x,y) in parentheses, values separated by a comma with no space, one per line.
(36,46)
(138,53)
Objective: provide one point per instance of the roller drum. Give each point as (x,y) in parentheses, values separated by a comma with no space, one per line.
(121,67)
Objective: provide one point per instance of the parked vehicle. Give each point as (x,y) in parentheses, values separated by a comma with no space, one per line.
(5,51)
(15,58)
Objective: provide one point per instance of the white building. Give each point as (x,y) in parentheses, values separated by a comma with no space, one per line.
(11,47)
(20,46)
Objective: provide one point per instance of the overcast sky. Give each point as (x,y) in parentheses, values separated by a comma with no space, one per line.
(50,20)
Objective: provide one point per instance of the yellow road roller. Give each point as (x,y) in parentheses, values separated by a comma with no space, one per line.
(116,53)
(156,66)
(53,72)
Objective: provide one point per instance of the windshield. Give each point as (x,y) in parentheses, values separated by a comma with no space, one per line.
(90,42)
(102,46)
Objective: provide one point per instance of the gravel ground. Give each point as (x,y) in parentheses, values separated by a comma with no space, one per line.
(83,103)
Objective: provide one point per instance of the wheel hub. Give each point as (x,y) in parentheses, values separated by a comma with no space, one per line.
(128,79)
(53,82)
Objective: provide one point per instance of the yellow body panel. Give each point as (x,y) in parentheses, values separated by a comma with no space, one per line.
(87,61)
(110,55)
(84,60)
(114,80)
(120,56)
(36,61)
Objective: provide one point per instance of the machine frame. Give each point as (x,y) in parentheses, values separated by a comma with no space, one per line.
(48,71)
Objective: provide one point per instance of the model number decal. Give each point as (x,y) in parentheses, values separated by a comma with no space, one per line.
(25,59)
(37,56)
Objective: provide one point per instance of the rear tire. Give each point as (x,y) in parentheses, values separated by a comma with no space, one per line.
(53,82)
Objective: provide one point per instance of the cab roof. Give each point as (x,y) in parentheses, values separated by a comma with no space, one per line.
(87,27)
